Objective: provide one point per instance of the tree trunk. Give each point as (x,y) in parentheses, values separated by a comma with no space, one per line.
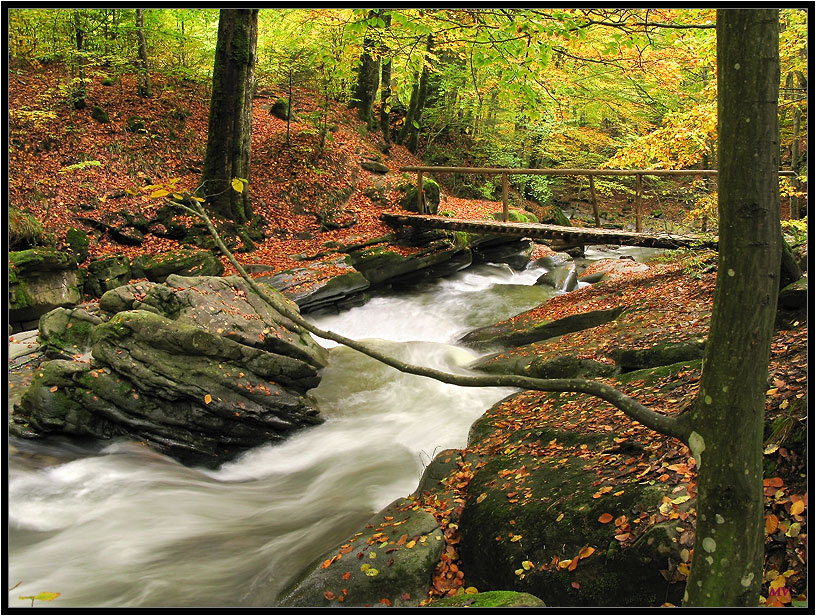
(230,122)
(144,90)
(409,135)
(78,89)
(368,78)
(385,99)
(385,94)
(728,416)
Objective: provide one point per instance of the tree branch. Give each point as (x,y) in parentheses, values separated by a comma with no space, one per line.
(665,424)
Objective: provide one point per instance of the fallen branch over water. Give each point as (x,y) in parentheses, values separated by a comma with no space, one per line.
(674,426)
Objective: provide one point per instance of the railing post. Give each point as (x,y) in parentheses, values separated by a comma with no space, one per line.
(594,200)
(505,209)
(420,189)
(638,187)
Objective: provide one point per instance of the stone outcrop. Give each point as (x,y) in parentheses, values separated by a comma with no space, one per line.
(40,280)
(197,368)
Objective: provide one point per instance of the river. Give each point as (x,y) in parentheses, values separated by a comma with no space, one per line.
(122,526)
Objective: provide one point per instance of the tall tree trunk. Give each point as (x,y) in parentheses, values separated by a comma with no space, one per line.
(409,134)
(78,89)
(230,123)
(144,90)
(385,93)
(368,77)
(385,99)
(728,415)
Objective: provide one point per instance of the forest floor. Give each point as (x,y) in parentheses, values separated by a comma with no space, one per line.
(62,163)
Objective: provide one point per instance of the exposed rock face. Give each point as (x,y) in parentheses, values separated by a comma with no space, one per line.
(39,281)
(511,333)
(198,368)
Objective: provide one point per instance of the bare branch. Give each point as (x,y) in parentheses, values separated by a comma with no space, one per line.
(665,424)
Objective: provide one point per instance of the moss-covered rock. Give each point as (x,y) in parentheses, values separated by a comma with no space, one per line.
(430,192)
(661,354)
(156,268)
(107,273)
(795,294)
(67,332)
(390,560)
(181,369)
(535,518)
(493,598)
(78,243)
(40,280)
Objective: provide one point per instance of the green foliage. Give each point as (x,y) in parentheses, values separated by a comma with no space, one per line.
(24,230)
(797,230)
(80,166)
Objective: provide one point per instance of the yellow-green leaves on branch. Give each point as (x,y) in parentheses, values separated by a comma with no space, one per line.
(238,184)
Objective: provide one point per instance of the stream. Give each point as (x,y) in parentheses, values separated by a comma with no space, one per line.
(123,526)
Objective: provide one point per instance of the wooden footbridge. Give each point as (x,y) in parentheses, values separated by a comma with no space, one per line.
(563,236)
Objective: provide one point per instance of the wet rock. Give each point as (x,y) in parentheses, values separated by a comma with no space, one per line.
(518,333)
(560,279)
(198,368)
(319,284)
(515,252)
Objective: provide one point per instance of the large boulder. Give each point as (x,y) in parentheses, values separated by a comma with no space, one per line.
(386,263)
(40,280)
(331,282)
(197,368)
(574,513)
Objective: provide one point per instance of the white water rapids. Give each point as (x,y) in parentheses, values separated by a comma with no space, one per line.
(125,527)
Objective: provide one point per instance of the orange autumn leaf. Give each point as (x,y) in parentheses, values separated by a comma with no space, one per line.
(347,575)
(586,552)
(207,399)
(771,524)
(605,518)
(573,564)
(797,508)
(773,482)
(329,595)
(622,537)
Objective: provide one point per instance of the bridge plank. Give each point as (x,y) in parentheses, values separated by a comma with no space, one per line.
(536,231)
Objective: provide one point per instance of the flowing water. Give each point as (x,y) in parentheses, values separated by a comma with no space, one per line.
(124,527)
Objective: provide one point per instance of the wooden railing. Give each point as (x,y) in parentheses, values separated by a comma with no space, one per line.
(591,173)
